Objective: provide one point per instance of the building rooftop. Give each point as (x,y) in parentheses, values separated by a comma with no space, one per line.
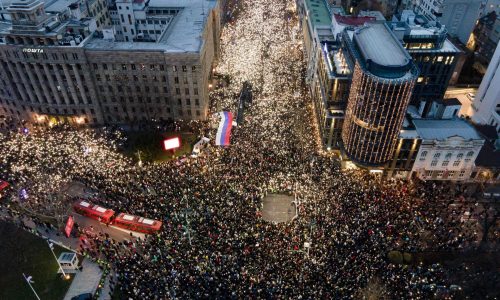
(337,10)
(372,13)
(408,134)
(412,27)
(352,20)
(58,6)
(378,44)
(430,129)
(334,59)
(449,101)
(66,257)
(183,35)
(318,12)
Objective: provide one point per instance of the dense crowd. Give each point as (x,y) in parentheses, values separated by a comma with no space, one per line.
(213,243)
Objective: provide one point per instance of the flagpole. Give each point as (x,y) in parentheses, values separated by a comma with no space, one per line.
(29,283)
(52,250)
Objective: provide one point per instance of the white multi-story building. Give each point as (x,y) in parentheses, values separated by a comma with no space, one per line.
(447,151)
(459,16)
(142,20)
(486,106)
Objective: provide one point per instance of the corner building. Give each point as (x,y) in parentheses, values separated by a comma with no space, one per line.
(63,65)
(383,79)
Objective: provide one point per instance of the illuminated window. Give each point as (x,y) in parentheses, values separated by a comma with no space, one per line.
(440,59)
(420,79)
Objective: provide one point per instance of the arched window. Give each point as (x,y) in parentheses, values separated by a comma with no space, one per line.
(448,155)
(460,155)
(470,153)
(424,154)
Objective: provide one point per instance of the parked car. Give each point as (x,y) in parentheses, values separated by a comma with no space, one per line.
(86,296)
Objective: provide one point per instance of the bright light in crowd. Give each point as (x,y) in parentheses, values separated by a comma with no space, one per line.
(172,143)
(80,120)
(23,194)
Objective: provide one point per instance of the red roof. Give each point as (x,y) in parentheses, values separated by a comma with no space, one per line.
(353,21)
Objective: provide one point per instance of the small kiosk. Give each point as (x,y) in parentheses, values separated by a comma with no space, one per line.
(68,261)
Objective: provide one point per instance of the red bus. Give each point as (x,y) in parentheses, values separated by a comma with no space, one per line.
(135,223)
(93,211)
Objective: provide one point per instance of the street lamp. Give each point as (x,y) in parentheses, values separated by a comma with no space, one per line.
(138,153)
(29,280)
(51,246)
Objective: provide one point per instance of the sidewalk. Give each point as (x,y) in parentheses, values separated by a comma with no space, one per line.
(57,237)
(88,279)
(106,289)
(85,281)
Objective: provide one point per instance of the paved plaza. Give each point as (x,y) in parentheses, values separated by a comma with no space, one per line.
(278,208)
(86,281)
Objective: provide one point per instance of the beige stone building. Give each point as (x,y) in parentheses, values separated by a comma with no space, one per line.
(67,66)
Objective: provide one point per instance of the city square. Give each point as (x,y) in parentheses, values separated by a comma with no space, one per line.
(267,211)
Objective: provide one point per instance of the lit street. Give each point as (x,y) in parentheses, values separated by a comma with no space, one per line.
(462,95)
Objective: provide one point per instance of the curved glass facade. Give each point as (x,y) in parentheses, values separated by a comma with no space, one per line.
(374,115)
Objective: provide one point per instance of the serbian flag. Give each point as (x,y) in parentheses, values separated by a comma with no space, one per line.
(224,131)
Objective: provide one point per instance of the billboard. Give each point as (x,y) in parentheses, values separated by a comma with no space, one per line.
(172,143)
(69,226)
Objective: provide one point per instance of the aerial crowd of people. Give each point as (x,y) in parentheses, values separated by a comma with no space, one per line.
(213,243)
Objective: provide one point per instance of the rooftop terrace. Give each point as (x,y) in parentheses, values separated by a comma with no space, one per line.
(183,35)
(319,15)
